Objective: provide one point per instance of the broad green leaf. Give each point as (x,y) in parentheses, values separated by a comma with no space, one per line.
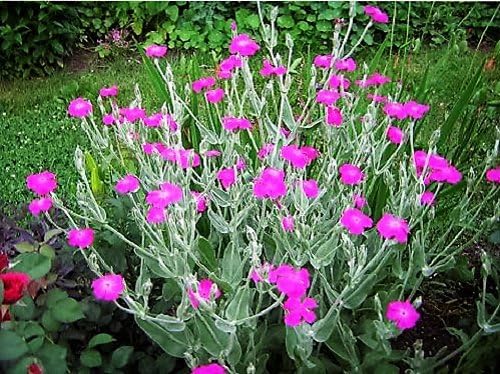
(239,307)
(219,223)
(53,296)
(91,358)
(212,339)
(49,322)
(359,292)
(155,77)
(47,251)
(207,253)
(34,264)
(24,247)
(100,339)
(24,309)
(12,345)
(121,356)
(232,266)
(299,345)
(67,311)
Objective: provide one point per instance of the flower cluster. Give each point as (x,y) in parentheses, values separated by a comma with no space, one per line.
(41,184)
(206,291)
(160,199)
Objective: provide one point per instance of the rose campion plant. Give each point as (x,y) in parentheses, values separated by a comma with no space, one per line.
(256,226)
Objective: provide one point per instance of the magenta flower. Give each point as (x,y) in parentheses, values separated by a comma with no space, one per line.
(201,201)
(209,369)
(42,183)
(108,119)
(395,135)
(40,205)
(156,51)
(288,224)
(228,65)
(493,175)
(108,287)
(395,110)
(339,81)
(202,83)
(392,227)
(323,61)
(168,194)
(265,151)
(187,158)
(227,177)
(127,184)
(154,120)
(310,188)
(403,314)
(268,69)
(376,79)
(292,282)
(214,96)
(327,97)
(132,114)
(79,108)
(355,221)
(270,184)
(447,174)
(258,274)
(376,14)
(243,45)
(310,152)
(81,238)
(415,110)
(234,123)
(213,153)
(156,215)
(427,198)
(377,98)
(350,174)
(299,157)
(359,201)
(207,290)
(241,164)
(347,64)
(333,116)
(108,91)
(296,311)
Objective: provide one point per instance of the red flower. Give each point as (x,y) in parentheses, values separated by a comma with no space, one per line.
(34,369)
(14,285)
(4,262)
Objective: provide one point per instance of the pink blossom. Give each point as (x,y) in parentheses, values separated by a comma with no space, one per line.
(338,81)
(260,273)
(42,183)
(285,132)
(395,135)
(214,96)
(436,161)
(327,97)
(127,184)
(201,201)
(156,51)
(288,224)
(350,174)
(172,125)
(427,198)
(323,61)
(108,91)
(148,148)
(79,108)
(376,79)
(207,290)
(333,116)
(310,188)
(297,311)
(187,158)
(292,282)
(224,74)
(447,174)
(403,314)
(359,201)
(355,221)
(376,14)
(202,83)
(392,227)
(40,205)
(377,98)
(81,238)
(213,153)
(244,45)
(241,164)
(395,110)
(153,120)
(268,69)
(132,114)
(415,110)
(108,119)
(234,123)
(347,64)
(210,368)
(310,152)
(234,26)
(168,194)
(109,287)
(265,150)
(227,177)
(419,159)
(230,63)
(493,175)
(156,215)
(270,184)
(299,157)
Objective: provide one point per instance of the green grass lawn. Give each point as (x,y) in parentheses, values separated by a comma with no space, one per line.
(37,134)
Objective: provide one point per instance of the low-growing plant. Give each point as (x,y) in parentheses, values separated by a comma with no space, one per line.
(265,212)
